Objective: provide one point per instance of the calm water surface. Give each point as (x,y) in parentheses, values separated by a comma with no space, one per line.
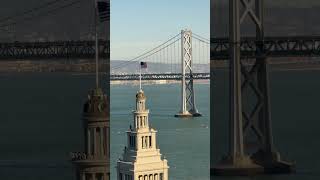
(41,123)
(295,118)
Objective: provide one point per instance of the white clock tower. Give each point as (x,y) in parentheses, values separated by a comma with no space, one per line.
(141,158)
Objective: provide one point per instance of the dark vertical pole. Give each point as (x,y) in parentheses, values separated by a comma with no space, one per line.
(97,44)
(236,130)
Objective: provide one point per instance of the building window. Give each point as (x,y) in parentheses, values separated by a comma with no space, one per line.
(134,141)
(142,138)
(99,176)
(146,141)
(161,176)
(150,143)
(128,177)
(104,134)
(120,176)
(91,140)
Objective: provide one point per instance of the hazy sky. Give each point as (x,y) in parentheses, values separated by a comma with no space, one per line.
(137,26)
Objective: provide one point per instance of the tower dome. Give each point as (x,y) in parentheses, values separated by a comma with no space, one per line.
(140,101)
(96,104)
(140,95)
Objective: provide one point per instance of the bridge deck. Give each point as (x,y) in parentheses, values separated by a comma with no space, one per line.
(271,47)
(130,77)
(52,50)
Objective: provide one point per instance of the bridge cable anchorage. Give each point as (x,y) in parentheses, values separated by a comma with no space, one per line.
(42,14)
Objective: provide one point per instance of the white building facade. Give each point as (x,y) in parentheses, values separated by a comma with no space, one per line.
(142,159)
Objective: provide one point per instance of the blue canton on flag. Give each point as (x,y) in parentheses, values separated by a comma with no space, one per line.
(143,64)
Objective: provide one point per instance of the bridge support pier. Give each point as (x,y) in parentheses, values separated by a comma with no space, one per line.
(187,90)
(250,117)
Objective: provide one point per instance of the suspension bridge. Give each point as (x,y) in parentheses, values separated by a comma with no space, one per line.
(39,48)
(183,57)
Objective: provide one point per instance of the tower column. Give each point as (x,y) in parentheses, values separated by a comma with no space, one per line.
(237,162)
(188,107)
(154,143)
(240,161)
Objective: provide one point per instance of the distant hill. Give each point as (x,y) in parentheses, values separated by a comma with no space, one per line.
(133,67)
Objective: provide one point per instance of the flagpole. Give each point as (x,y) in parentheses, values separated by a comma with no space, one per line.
(97,46)
(140,76)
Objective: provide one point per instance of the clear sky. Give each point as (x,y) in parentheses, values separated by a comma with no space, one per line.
(139,25)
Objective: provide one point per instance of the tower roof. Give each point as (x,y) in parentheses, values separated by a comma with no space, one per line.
(96,104)
(140,95)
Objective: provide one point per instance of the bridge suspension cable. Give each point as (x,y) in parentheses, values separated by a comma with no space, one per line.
(136,59)
(41,14)
(201,38)
(30,11)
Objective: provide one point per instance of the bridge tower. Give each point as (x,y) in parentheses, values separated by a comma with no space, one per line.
(188,104)
(249,124)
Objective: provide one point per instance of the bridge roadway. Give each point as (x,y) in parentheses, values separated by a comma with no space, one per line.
(52,50)
(173,76)
(294,46)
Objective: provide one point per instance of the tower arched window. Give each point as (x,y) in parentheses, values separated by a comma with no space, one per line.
(142,142)
(161,176)
(146,141)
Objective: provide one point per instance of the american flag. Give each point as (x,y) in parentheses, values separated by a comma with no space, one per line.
(143,64)
(104,10)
